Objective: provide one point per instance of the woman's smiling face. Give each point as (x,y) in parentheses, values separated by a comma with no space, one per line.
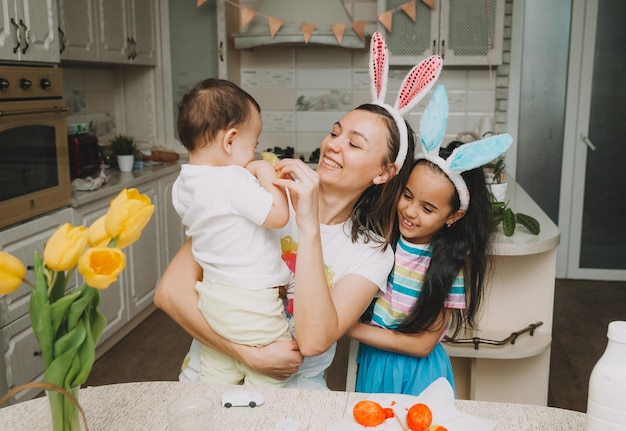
(353,154)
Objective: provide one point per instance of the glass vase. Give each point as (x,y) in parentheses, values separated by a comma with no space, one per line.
(64,411)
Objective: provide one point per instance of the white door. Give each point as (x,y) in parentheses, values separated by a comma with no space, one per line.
(593,185)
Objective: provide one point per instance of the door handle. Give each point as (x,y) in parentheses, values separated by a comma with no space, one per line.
(587,142)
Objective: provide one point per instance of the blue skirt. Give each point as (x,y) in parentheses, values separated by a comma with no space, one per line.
(381,371)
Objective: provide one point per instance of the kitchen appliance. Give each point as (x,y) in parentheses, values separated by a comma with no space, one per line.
(85,155)
(34,161)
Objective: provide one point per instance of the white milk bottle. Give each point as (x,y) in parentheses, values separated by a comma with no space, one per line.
(606,405)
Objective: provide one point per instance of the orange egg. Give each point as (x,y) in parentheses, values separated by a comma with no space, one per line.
(419,417)
(437,428)
(369,413)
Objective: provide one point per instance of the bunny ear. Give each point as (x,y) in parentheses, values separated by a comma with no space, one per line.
(378,67)
(418,82)
(434,119)
(475,154)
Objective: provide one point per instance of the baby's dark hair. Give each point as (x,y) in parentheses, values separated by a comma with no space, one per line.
(465,245)
(212,105)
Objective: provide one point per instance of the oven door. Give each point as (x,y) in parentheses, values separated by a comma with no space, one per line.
(34,160)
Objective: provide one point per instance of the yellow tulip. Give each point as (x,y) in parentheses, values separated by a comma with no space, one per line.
(98,236)
(65,247)
(128,214)
(101,265)
(12,272)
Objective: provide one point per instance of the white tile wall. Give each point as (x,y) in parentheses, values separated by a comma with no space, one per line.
(320,84)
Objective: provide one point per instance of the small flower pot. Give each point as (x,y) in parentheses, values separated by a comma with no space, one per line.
(125,163)
(498,190)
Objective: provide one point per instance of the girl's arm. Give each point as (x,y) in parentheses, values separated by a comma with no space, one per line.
(321,315)
(279,213)
(419,345)
(176,295)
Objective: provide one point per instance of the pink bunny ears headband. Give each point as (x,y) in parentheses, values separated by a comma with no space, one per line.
(416,84)
(464,157)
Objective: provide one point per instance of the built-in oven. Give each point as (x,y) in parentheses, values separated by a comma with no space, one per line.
(34,160)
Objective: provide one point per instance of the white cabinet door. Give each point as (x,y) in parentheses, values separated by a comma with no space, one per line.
(143,258)
(29,31)
(142,31)
(174,233)
(464,33)
(113,33)
(77,30)
(114,303)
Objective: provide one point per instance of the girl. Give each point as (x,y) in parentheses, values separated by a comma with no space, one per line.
(441,261)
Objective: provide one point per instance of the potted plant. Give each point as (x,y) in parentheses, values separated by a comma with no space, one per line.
(123,146)
(496,182)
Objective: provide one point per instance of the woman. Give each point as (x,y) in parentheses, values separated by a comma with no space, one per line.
(342,223)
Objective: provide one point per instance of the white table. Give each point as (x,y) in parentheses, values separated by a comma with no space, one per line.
(141,406)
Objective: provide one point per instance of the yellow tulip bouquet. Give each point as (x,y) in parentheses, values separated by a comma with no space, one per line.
(67,323)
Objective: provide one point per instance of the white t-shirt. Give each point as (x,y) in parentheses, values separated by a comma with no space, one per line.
(341,257)
(223,209)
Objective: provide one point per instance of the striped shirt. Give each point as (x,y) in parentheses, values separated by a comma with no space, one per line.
(405,284)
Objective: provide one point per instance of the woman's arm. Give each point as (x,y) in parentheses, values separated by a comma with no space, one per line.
(321,315)
(176,295)
(419,345)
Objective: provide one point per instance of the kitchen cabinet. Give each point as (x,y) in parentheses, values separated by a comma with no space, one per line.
(77,30)
(126,31)
(464,33)
(28,31)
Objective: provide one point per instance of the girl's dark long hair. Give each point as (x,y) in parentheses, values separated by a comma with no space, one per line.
(373,217)
(465,245)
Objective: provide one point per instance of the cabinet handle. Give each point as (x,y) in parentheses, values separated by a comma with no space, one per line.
(18,36)
(220,51)
(26,37)
(434,47)
(587,142)
(129,41)
(62,40)
(134,48)
(443,49)
(37,353)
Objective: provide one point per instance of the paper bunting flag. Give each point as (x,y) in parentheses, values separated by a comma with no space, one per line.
(409,9)
(200,3)
(275,25)
(307,30)
(385,19)
(429,3)
(246,15)
(359,28)
(338,30)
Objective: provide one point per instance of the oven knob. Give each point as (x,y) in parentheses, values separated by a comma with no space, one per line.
(4,84)
(45,84)
(25,84)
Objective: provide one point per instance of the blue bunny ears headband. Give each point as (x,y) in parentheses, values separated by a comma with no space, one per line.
(462,158)
(420,79)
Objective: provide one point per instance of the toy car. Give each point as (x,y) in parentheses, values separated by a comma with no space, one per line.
(242,398)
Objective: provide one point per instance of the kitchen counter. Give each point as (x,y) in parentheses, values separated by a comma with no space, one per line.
(121,180)
(523,242)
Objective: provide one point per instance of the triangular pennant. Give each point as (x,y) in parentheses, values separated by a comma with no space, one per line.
(307,30)
(429,3)
(359,28)
(385,19)
(200,3)
(275,25)
(338,30)
(409,9)
(246,15)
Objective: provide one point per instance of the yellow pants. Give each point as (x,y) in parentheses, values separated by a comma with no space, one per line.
(250,317)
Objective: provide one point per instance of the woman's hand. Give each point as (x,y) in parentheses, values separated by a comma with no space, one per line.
(279,359)
(303,185)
